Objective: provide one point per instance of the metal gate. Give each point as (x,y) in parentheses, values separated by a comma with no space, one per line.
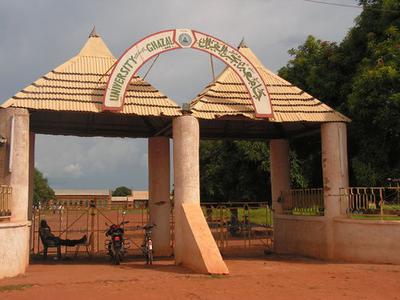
(72,222)
(241,228)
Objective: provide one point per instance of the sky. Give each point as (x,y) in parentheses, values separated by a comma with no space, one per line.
(37,36)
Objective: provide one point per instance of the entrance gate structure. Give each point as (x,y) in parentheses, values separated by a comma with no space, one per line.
(246,101)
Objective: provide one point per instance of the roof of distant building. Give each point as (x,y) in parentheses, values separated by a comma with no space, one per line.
(82,192)
(140,195)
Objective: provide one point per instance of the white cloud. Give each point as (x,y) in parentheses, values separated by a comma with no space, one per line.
(92,162)
(73,170)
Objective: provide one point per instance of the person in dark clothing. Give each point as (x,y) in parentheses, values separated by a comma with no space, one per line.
(48,237)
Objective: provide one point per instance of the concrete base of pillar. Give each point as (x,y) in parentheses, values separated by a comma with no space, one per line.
(199,251)
(300,235)
(14,248)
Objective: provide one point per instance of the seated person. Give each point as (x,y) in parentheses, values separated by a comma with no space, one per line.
(50,239)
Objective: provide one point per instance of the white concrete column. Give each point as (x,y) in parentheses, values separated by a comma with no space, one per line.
(5,131)
(334,166)
(186,134)
(159,188)
(195,246)
(335,176)
(19,177)
(31,172)
(14,235)
(280,171)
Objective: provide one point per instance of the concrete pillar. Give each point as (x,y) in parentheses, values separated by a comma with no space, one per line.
(14,235)
(195,246)
(335,175)
(186,136)
(5,131)
(186,160)
(16,120)
(159,188)
(280,171)
(334,165)
(31,172)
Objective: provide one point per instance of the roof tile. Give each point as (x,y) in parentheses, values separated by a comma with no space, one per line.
(227,96)
(79,84)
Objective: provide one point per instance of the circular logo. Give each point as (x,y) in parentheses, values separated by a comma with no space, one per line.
(185,39)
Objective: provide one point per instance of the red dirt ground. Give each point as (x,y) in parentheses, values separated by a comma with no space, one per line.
(272,277)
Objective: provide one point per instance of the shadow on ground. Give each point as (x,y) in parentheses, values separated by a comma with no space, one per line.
(132,262)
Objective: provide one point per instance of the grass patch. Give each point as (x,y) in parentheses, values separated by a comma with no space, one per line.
(309,211)
(261,215)
(366,217)
(14,287)
(391,206)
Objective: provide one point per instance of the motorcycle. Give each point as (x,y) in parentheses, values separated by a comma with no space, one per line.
(116,246)
(147,246)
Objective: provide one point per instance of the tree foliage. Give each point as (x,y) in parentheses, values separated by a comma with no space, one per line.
(239,171)
(122,191)
(359,77)
(233,171)
(316,68)
(42,192)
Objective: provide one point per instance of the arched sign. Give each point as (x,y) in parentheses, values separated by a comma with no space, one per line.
(133,58)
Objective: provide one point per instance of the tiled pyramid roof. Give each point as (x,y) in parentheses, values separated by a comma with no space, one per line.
(78,85)
(227,96)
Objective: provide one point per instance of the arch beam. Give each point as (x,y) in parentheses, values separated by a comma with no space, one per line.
(155,44)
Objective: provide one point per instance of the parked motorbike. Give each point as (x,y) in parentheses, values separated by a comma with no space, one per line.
(116,245)
(147,246)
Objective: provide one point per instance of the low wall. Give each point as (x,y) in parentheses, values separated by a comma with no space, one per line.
(14,248)
(357,241)
(300,235)
(367,241)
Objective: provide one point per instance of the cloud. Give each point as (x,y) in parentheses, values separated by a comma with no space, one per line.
(73,170)
(92,162)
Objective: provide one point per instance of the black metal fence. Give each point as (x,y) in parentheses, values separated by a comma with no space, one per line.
(372,202)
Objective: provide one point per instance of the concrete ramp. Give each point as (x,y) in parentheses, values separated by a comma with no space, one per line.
(199,251)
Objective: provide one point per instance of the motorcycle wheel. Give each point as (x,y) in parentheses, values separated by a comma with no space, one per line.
(150,257)
(117,258)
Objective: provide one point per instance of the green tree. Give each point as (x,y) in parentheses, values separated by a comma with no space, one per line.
(239,171)
(374,104)
(316,68)
(233,171)
(42,192)
(359,77)
(122,191)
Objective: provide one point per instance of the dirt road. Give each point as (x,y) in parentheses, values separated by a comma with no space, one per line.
(260,278)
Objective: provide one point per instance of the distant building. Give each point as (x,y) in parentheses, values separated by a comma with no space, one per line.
(101,197)
(72,197)
(122,200)
(140,199)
